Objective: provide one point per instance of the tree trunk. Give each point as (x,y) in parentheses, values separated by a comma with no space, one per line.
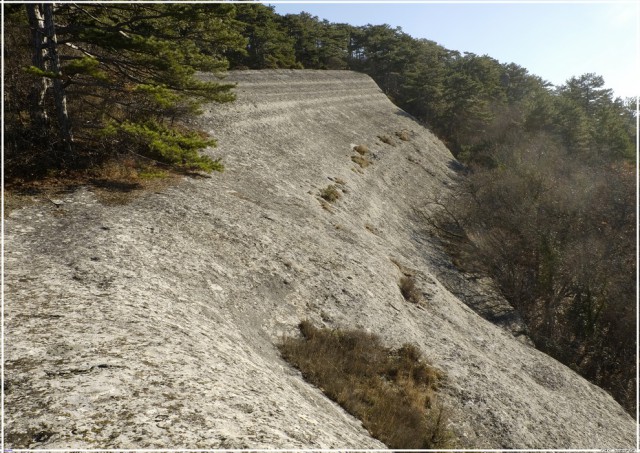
(60,98)
(37,108)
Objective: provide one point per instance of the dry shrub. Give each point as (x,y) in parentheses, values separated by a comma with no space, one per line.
(556,233)
(330,193)
(391,391)
(362,161)
(386,139)
(120,181)
(115,181)
(404,135)
(123,169)
(409,290)
(326,206)
(361,149)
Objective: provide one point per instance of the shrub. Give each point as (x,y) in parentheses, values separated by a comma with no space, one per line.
(361,149)
(403,135)
(362,161)
(557,235)
(386,139)
(391,391)
(409,290)
(326,206)
(330,193)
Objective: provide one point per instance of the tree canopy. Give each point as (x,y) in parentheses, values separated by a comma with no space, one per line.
(128,70)
(126,73)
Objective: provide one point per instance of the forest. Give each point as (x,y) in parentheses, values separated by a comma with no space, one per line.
(545,204)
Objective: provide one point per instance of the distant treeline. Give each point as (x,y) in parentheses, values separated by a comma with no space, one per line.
(119,66)
(471,102)
(546,204)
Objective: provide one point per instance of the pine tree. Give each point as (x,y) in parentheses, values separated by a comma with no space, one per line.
(305,30)
(592,122)
(128,68)
(268,46)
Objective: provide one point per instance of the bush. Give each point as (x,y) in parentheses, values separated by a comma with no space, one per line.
(361,149)
(557,235)
(409,290)
(391,391)
(386,139)
(362,161)
(403,135)
(330,193)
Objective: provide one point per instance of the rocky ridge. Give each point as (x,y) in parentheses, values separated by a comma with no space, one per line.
(152,324)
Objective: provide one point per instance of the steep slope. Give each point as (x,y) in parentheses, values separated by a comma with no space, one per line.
(153,324)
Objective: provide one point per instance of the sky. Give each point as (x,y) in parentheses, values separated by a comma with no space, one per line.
(552,40)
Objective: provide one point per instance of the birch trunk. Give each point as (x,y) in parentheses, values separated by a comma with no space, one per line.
(60,98)
(37,107)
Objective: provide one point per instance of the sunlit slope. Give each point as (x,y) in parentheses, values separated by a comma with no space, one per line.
(152,324)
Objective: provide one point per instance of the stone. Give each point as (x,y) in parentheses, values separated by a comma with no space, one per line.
(167,341)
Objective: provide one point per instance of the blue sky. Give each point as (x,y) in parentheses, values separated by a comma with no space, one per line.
(552,40)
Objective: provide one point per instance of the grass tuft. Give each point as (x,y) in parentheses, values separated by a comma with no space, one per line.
(361,149)
(392,391)
(386,139)
(404,135)
(409,291)
(330,193)
(152,173)
(362,161)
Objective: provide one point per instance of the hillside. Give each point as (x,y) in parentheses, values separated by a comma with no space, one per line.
(152,324)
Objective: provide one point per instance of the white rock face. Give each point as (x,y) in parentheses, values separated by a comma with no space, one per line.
(152,325)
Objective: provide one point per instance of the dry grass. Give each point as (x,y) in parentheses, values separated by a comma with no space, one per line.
(370,228)
(326,206)
(386,139)
(115,182)
(330,193)
(120,182)
(391,391)
(361,149)
(409,291)
(362,161)
(404,135)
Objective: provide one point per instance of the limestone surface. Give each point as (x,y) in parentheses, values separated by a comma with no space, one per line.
(153,324)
